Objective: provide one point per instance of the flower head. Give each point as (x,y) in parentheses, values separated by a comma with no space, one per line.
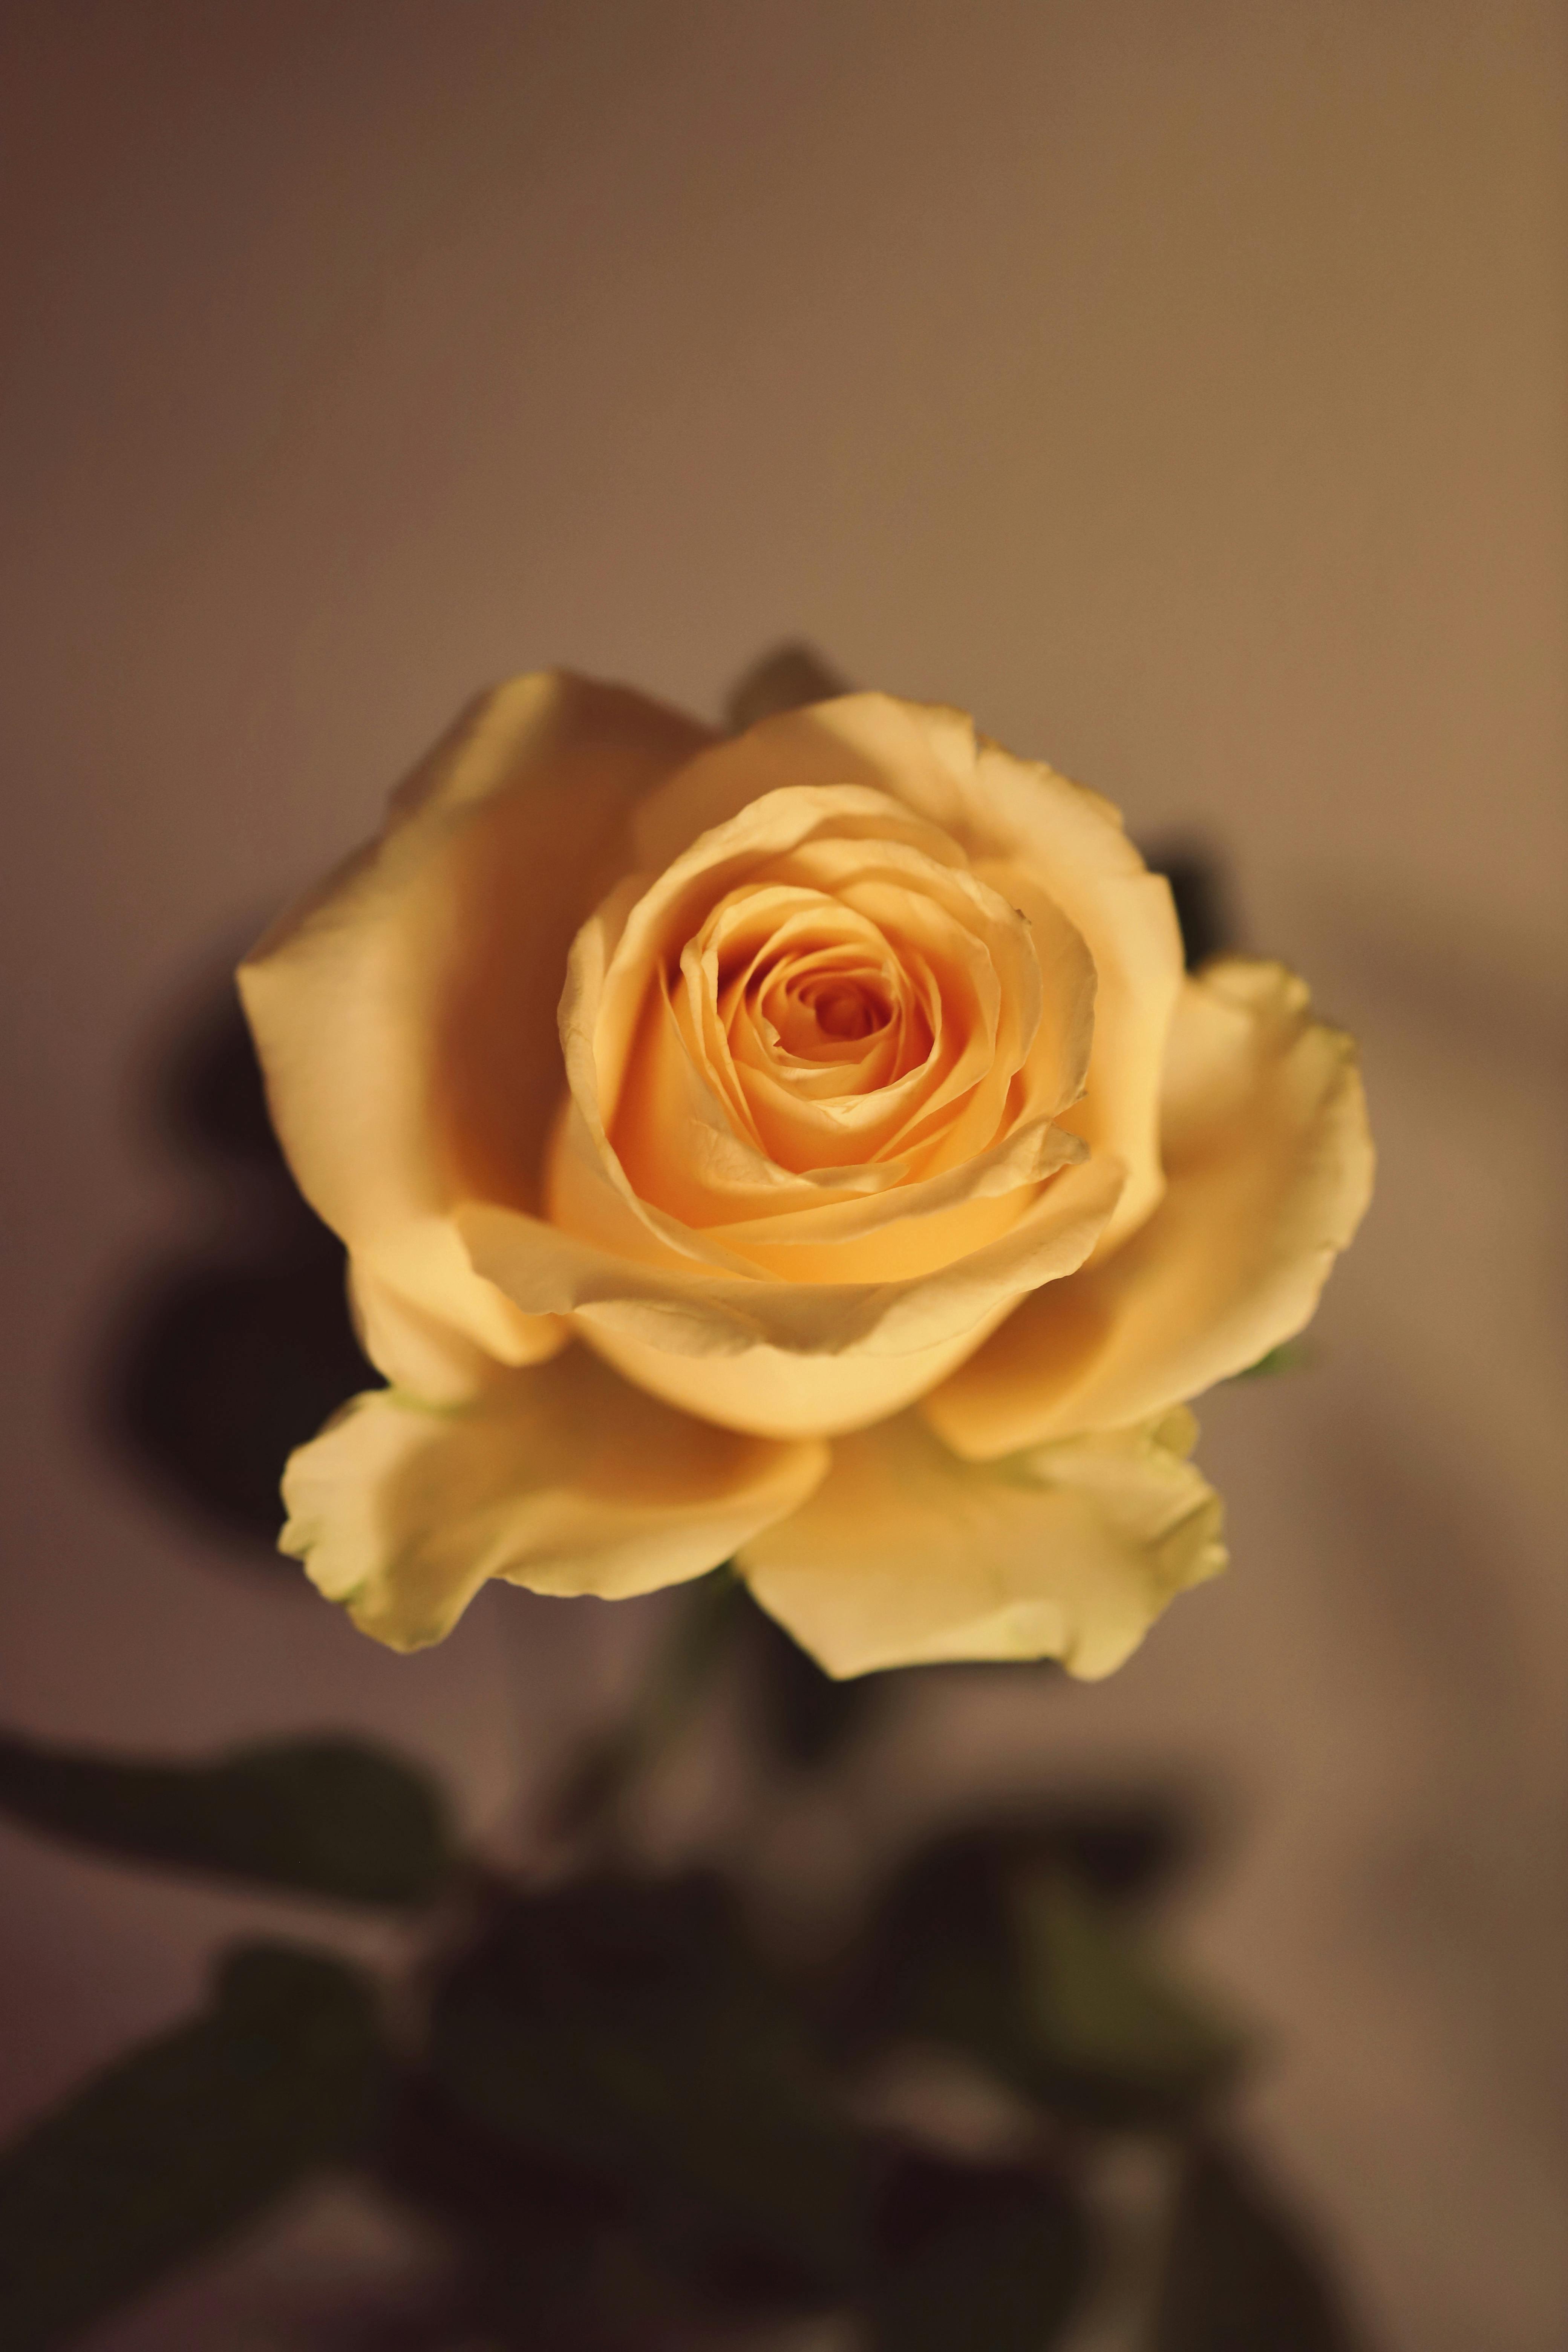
(803,1147)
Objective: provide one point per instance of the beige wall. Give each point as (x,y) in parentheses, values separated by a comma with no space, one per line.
(1176,383)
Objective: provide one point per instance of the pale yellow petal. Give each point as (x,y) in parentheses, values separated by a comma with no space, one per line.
(432,1357)
(906,1555)
(561,1480)
(405,1014)
(1269,1163)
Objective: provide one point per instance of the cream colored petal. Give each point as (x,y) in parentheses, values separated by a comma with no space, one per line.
(906,1555)
(561,1480)
(405,1014)
(1269,1160)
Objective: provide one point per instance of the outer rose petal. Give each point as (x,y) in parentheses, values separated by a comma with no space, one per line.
(405,1015)
(906,1555)
(1269,1163)
(560,1478)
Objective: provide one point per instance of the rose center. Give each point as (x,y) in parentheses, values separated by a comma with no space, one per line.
(845,1009)
(829,1009)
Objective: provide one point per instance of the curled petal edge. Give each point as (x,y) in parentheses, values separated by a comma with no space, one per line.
(561,1478)
(908,1555)
(781,1358)
(547,1271)
(1269,1169)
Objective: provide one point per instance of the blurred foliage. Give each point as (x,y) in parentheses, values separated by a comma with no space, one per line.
(999,1943)
(326,1817)
(603,1776)
(973,2254)
(629,2031)
(165,2153)
(634,2126)
(785,678)
(804,1716)
(1240,2271)
(1110,2038)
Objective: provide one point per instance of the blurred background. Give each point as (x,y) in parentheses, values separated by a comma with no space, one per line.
(1179,388)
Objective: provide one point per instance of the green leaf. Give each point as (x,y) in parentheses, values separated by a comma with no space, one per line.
(324,1817)
(536,2230)
(1239,2273)
(1115,2041)
(973,2256)
(168,2150)
(626,2030)
(999,1944)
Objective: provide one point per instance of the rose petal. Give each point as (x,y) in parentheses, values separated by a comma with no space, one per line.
(561,1480)
(906,1555)
(1269,1163)
(926,1226)
(662,1159)
(833,839)
(785,1358)
(996,806)
(429,1355)
(405,1015)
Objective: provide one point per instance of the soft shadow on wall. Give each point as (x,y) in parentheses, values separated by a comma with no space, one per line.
(217,1364)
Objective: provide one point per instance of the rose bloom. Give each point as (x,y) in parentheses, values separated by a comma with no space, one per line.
(802,1149)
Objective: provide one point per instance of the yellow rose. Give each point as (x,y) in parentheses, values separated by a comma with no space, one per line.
(801,1148)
